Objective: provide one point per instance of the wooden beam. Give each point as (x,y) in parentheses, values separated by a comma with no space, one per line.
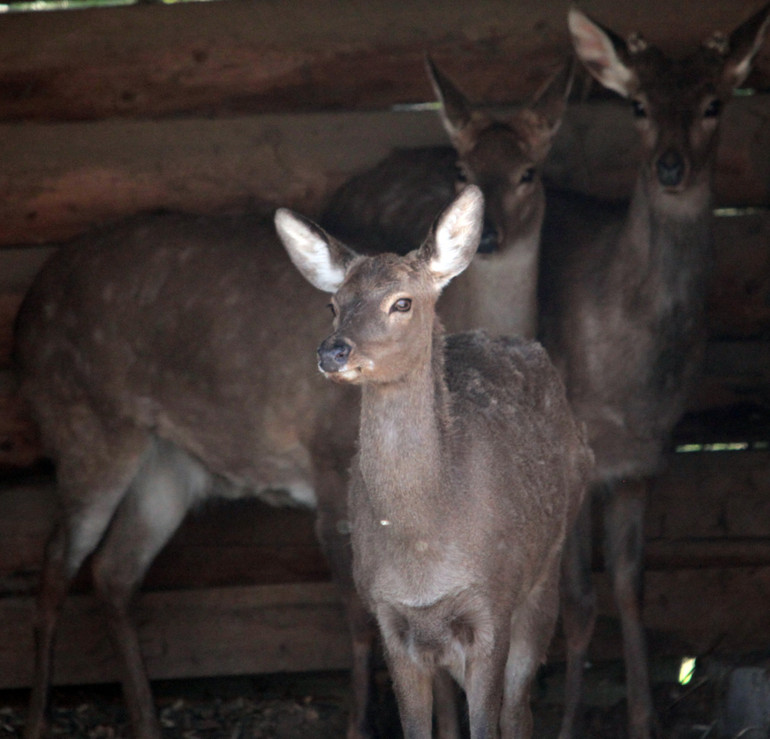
(60,180)
(154,60)
(189,633)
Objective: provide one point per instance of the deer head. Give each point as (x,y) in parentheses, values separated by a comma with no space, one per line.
(503,156)
(383,306)
(676,103)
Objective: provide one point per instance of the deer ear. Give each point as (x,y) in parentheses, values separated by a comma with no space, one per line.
(741,48)
(455,237)
(550,101)
(456,112)
(602,52)
(322,260)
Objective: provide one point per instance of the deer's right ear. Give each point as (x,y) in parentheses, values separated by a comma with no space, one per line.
(455,238)
(322,260)
(602,53)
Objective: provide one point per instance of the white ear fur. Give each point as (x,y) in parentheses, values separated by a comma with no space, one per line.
(457,235)
(598,54)
(310,251)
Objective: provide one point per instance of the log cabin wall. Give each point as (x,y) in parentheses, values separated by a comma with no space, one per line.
(252,104)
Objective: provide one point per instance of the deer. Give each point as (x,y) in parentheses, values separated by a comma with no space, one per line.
(469,471)
(393,205)
(622,300)
(162,361)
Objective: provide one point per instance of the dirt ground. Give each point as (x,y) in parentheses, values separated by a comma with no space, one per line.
(314,706)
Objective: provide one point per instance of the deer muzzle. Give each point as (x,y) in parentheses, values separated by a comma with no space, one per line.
(333,355)
(670,168)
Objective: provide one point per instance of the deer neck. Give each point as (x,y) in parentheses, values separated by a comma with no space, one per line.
(403,425)
(666,239)
(498,292)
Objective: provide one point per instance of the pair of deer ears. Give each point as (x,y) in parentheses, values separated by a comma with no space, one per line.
(448,250)
(537,122)
(610,59)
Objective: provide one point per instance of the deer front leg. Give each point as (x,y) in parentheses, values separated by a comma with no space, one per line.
(413,685)
(578,598)
(624,540)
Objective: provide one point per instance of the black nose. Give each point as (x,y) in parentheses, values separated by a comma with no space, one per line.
(670,168)
(489,239)
(333,354)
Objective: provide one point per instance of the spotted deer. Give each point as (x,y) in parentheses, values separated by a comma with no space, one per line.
(622,298)
(469,470)
(392,206)
(164,362)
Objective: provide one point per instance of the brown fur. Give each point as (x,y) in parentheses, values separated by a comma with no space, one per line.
(470,470)
(166,362)
(622,310)
(392,206)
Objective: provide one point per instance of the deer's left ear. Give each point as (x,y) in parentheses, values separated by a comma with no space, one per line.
(742,46)
(455,237)
(322,260)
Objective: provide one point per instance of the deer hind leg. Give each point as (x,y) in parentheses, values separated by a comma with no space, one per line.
(531,632)
(624,537)
(166,486)
(484,684)
(578,598)
(92,479)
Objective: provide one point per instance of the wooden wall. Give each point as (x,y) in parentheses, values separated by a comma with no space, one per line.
(246,104)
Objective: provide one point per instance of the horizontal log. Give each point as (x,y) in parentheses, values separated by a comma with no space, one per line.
(708,544)
(189,633)
(301,627)
(152,60)
(60,180)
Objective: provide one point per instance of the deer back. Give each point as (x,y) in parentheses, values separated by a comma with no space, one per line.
(189,328)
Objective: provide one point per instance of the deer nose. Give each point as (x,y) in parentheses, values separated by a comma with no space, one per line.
(670,168)
(333,354)
(489,239)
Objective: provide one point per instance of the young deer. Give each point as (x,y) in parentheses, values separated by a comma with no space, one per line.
(622,309)
(470,469)
(392,207)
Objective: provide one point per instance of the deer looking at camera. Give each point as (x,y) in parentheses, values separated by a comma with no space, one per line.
(469,471)
(622,301)
(392,206)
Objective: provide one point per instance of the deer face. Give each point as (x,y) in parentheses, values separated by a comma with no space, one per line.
(503,157)
(676,103)
(383,319)
(383,306)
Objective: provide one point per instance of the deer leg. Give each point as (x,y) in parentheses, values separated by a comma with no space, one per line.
(88,507)
(531,632)
(412,684)
(484,685)
(163,491)
(445,706)
(578,598)
(624,537)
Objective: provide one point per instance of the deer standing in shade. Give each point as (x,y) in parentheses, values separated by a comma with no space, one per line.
(392,206)
(470,469)
(622,298)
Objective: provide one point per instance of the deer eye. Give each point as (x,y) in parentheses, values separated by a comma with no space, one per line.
(713,109)
(402,305)
(460,174)
(332,309)
(527,176)
(639,108)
